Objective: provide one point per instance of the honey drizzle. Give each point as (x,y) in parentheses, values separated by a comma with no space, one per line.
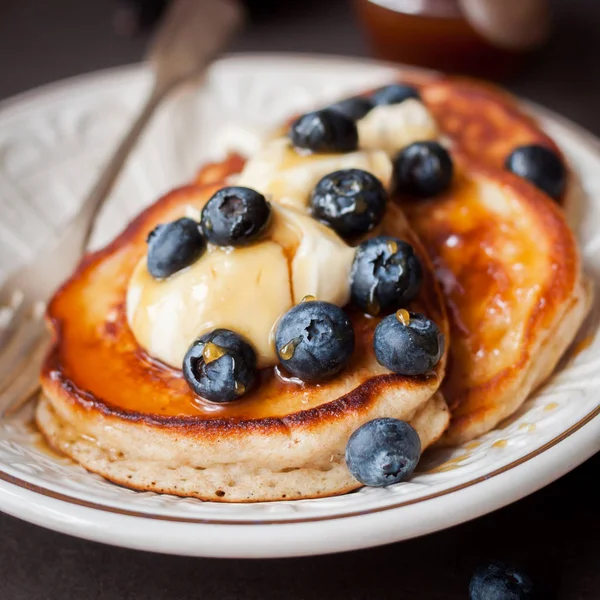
(308,298)
(373,306)
(212,352)
(239,388)
(287,350)
(403,316)
(392,246)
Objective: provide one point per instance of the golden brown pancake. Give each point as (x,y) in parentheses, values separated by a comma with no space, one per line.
(511,274)
(133,420)
(505,257)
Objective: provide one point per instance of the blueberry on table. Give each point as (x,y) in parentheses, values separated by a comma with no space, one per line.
(174,246)
(354,108)
(324,130)
(220,366)
(422,169)
(383,452)
(394,94)
(408,343)
(350,201)
(386,275)
(497,581)
(314,340)
(235,216)
(539,165)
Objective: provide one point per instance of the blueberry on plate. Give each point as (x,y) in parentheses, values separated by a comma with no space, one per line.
(540,166)
(497,581)
(326,130)
(235,216)
(422,169)
(350,201)
(220,366)
(174,246)
(383,451)
(354,108)
(386,274)
(314,340)
(394,94)
(408,343)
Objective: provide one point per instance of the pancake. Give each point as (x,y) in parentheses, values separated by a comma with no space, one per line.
(505,257)
(511,274)
(135,421)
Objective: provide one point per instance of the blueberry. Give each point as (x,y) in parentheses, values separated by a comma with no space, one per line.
(408,343)
(386,274)
(174,246)
(325,130)
(540,166)
(394,94)
(235,216)
(422,169)
(354,108)
(349,201)
(383,452)
(220,366)
(497,581)
(314,340)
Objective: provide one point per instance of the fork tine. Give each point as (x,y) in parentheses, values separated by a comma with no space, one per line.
(11,316)
(23,387)
(19,348)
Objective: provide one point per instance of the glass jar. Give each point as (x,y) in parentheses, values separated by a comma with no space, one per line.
(438,34)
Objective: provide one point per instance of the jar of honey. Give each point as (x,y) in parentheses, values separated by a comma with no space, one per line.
(488,38)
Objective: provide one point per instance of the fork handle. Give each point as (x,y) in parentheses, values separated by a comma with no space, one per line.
(112,170)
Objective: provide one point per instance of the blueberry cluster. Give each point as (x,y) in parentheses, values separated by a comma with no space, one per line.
(422,169)
(234,216)
(219,366)
(315,340)
(333,129)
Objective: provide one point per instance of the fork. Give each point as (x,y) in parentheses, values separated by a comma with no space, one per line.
(191,34)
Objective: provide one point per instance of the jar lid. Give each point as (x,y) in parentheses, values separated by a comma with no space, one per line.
(509,24)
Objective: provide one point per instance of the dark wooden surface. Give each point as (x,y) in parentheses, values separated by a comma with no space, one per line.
(554,534)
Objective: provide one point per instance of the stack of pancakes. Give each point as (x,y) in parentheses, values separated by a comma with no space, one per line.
(496,251)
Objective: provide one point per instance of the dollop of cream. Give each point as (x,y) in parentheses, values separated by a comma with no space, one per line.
(248,289)
(393,127)
(288,176)
(242,289)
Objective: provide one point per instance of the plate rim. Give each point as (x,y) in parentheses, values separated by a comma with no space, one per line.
(9,483)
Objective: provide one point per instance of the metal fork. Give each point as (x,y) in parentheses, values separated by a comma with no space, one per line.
(192,33)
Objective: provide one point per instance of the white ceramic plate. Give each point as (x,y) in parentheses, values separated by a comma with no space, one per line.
(52,142)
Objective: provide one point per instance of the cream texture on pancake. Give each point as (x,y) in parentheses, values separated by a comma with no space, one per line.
(244,289)
(392,127)
(225,287)
(288,175)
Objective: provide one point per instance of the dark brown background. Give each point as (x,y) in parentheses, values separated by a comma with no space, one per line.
(554,534)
